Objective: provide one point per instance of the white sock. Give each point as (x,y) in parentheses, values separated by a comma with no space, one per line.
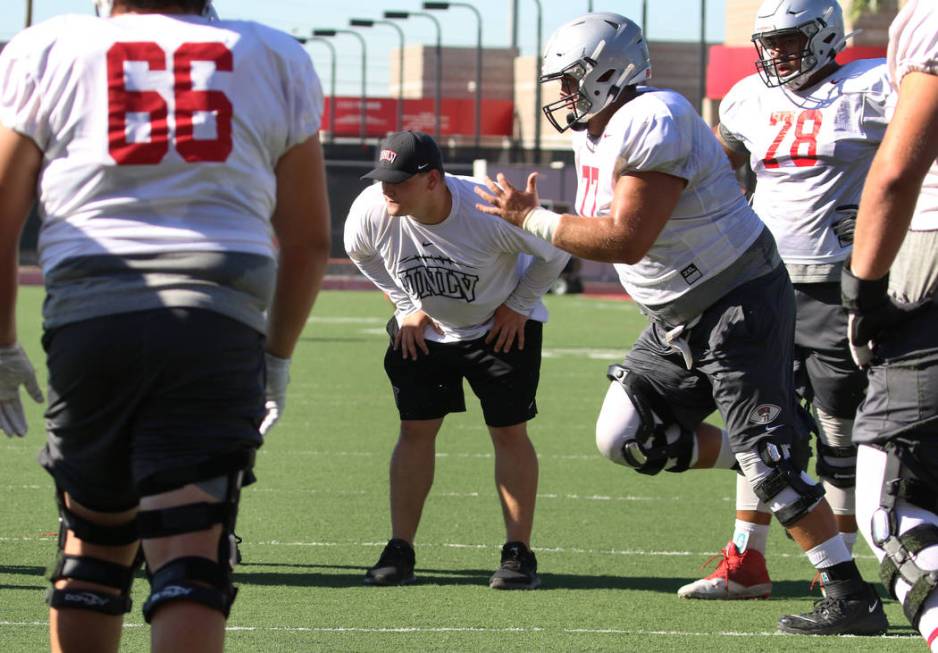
(849,540)
(749,535)
(829,553)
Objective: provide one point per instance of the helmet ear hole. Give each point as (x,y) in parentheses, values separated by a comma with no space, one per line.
(606,76)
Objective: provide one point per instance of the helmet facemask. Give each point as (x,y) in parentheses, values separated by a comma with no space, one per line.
(575,103)
(771,69)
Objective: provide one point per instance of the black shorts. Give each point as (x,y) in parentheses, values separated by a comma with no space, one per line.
(825,374)
(136,398)
(742,351)
(431,386)
(902,399)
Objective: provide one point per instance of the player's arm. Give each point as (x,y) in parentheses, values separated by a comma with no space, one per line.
(908,150)
(735,149)
(301,224)
(20,161)
(642,204)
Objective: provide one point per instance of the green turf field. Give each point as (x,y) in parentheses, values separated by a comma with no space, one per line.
(613,545)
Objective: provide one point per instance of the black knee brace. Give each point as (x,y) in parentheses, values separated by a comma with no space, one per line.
(650,451)
(785,474)
(89,569)
(902,549)
(193,578)
(837,465)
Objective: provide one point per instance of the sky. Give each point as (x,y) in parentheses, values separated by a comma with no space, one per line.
(667,20)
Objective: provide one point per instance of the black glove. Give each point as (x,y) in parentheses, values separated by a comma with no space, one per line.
(871,312)
(844,229)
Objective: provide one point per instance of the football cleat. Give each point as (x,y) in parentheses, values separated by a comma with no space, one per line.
(518,570)
(840,613)
(394,567)
(738,576)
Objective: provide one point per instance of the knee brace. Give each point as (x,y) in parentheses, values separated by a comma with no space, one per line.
(836,454)
(194,578)
(778,482)
(660,442)
(89,569)
(901,550)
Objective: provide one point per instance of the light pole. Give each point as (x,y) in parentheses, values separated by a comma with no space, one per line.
(645,19)
(331,47)
(703,53)
(537,86)
(363,109)
(466,5)
(29,12)
(364,22)
(438,100)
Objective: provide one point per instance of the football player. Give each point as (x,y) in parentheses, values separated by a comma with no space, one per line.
(657,198)
(809,128)
(889,288)
(164,149)
(467,292)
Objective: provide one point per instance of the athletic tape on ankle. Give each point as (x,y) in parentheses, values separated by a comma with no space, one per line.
(542,223)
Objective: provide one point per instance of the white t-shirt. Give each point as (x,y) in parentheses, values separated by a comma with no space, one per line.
(159,133)
(457,271)
(712,225)
(810,151)
(913,47)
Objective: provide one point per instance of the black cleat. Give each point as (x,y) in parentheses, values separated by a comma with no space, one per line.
(394,567)
(839,613)
(518,570)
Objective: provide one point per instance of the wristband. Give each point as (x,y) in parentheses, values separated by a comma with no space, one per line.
(542,223)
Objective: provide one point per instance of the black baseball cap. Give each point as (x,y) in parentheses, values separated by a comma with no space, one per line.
(405,154)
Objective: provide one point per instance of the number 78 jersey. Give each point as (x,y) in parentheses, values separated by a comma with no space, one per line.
(159,133)
(810,152)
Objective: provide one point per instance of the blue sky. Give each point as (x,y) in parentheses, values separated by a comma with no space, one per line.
(667,20)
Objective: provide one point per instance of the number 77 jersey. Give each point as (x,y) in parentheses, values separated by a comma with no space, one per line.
(810,151)
(159,133)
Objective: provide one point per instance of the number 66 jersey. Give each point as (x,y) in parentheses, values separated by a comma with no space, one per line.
(810,150)
(160,137)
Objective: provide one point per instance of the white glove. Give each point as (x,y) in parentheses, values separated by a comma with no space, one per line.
(15,370)
(278,376)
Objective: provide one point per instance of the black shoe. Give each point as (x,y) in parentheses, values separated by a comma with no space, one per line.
(518,570)
(394,567)
(840,613)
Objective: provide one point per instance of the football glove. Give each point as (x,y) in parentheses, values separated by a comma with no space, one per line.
(278,376)
(15,370)
(870,312)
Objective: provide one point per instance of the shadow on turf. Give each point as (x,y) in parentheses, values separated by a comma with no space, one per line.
(19,570)
(332,576)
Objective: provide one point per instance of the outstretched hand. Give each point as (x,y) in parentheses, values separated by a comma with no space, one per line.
(507,201)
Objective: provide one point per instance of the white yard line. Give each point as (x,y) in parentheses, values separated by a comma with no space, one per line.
(471,629)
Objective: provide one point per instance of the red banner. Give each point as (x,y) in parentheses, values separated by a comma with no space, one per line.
(458,116)
(729,64)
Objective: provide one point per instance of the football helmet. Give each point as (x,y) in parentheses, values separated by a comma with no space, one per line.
(602,53)
(103,9)
(818,26)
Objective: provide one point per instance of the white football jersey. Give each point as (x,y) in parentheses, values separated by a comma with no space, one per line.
(457,271)
(712,224)
(160,134)
(913,47)
(810,151)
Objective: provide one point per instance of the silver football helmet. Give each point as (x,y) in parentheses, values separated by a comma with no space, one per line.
(817,24)
(103,9)
(602,53)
